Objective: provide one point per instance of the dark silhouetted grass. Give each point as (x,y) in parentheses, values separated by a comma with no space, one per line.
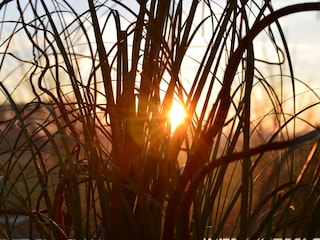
(91,152)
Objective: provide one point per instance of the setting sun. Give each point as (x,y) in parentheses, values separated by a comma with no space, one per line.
(177,115)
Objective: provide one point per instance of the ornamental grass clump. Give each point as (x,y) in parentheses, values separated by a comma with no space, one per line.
(91,151)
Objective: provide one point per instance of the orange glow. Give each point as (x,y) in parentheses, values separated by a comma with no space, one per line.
(177,115)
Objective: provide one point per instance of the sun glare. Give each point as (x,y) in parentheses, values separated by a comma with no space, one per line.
(176,115)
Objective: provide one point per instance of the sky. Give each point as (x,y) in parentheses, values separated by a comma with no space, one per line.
(303,35)
(302,31)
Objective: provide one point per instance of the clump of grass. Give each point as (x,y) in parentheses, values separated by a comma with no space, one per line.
(94,147)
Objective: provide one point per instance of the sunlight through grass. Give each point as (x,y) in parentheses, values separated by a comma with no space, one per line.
(177,115)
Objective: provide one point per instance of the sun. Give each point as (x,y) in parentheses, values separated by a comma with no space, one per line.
(177,115)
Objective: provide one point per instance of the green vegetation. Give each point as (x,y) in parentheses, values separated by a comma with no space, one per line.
(91,153)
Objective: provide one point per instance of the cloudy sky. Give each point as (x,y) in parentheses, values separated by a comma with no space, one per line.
(303,35)
(302,31)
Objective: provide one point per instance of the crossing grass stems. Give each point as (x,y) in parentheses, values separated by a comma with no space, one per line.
(93,155)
